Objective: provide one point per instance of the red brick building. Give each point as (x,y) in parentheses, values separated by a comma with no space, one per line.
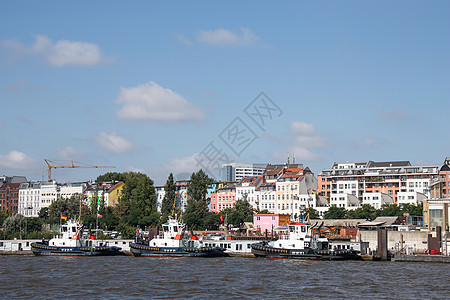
(9,198)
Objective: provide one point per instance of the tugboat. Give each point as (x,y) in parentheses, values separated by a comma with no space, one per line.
(174,242)
(299,244)
(70,242)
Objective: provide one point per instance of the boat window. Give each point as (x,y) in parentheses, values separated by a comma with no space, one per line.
(74,229)
(64,229)
(291,228)
(303,228)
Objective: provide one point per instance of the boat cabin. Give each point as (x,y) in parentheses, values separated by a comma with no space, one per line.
(297,237)
(69,235)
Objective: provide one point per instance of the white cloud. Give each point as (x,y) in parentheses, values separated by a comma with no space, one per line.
(58,54)
(180,167)
(224,37)
(70,153)
(302,128)
(114,142)
(16,160)
(151,101)
(302,139)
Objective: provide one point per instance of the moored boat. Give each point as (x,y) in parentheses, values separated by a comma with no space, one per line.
(70,242)
(300,244)
(174,242)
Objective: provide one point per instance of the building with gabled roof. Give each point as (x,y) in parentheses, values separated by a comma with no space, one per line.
(246,189)
(114,194)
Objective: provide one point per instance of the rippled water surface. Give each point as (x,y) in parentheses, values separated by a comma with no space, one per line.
(222,278)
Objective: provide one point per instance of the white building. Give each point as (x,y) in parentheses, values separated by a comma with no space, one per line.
(410,198)
(266,197)
(390,178)
(30,199)
(68,190)
(347,201)
(377,199)
(49,193)
(160,193)
(246,189)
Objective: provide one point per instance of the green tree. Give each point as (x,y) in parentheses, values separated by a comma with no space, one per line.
(14,224)
(366,211)
(335,213)
(63,207)
(138,199)
(313,213)
(168,201)
(389,210)
(212,221)
(112,176)
(197,207)
(198,187)
(244,209)
(412,209)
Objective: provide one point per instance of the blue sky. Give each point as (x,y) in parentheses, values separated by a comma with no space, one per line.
(158,87)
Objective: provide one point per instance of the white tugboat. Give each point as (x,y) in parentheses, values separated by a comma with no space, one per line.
(174,242)
(299,243)
(70,242)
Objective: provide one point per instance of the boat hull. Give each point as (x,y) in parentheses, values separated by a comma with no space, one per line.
(39,249)
(145,250)
(265,251)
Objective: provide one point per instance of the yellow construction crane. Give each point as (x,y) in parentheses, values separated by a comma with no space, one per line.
(53,165)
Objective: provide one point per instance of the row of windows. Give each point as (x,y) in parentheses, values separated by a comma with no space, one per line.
(12,195)
(289,187)
(266,197)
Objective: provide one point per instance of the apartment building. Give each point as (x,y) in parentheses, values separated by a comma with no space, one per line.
(9,198)
(223,198)
(390,178)
(30,199)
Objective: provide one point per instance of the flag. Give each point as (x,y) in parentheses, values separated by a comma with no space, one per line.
(64,217)
(99,216)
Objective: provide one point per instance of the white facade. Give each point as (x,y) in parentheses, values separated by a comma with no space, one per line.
(347,187)
(419,185)
(410,198)
(266,198)
(49,193)
(347,201)
(69,190)
(160,193)
(377,199)
(30,199)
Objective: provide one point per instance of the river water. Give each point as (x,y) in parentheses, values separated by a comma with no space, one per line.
(220,278)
